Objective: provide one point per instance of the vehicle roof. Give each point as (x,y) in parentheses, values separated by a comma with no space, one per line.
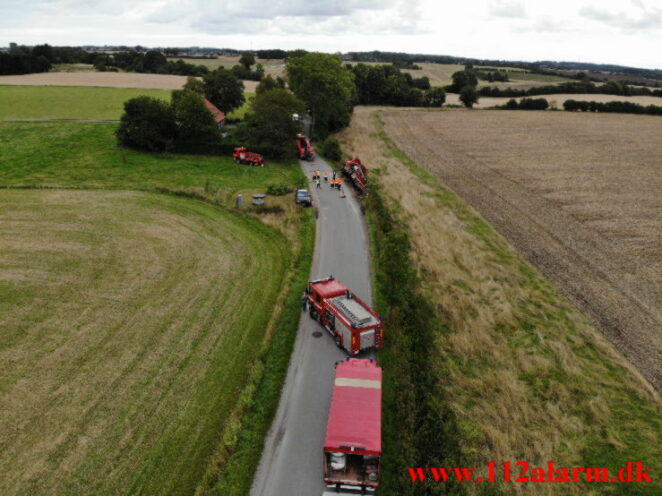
(302,191)
(356,313)
(355,414)
(329,288)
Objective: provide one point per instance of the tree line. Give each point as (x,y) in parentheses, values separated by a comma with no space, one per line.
(152,61)
(615,107)
(40,58)
(584,106)
(386,85)
(577,87)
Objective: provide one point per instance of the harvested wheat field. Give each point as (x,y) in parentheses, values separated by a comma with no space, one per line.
(577,194)
(129,326)
(558,99)
(518,372)
(105,79)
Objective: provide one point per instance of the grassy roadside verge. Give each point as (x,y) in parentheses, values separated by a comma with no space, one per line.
(501,368)
(413,433)
(234,466)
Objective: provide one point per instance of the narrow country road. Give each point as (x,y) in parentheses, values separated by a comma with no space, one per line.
(291,463)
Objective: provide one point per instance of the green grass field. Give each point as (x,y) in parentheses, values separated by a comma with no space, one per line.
(130,322)
(73,154)
(77,102)
(68,102)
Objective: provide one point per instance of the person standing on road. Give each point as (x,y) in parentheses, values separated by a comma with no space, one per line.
(334,176)
(318,183)
(326,177)
(304,302)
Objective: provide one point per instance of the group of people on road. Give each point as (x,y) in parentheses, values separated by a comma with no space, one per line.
(334,181)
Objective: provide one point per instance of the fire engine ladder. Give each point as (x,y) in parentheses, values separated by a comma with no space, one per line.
(355,319)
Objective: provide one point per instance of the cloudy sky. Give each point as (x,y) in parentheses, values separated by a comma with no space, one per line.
(625,32)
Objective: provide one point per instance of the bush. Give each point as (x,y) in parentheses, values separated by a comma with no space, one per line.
(268,128)
(147,124)
(278,189)
(331,149)
(533,104)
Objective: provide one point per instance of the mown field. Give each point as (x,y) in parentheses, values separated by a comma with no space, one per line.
(130,322)
(78,102)
(69,102)
(510,370)
(105,79)
(141,353)
(73,154)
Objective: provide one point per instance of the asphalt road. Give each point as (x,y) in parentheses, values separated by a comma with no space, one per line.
(291,463)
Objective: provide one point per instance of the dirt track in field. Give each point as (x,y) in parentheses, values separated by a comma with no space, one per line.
(105,79)
(577,194)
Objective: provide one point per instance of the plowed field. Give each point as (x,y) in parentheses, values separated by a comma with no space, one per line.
(577,194)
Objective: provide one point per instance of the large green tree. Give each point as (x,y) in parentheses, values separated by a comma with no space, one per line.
(247,59)
(269,83)
(223,89)
(462,79)
(326,86)
(147,124)
(195,127)
(269,126)
(468,96)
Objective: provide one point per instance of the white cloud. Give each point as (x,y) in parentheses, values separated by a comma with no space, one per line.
(626,32)
(640,16)
(508,8)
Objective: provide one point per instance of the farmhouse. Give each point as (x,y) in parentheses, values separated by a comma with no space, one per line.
(219,116)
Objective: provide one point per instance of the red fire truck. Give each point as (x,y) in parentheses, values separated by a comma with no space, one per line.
(242,156)
(357,173)
(353,441)
(305,150)
(353,324)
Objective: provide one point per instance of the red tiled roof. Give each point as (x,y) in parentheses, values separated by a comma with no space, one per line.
(218,115)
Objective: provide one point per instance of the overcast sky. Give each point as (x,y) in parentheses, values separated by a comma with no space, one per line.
(625,32)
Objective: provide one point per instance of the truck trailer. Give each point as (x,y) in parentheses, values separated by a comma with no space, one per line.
(353,441)
(352,323)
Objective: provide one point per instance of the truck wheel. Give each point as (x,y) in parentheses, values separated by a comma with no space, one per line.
(338,342)
(313,314)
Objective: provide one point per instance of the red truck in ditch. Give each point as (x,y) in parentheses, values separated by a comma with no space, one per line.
(352,323)
(353,441)
(357,173)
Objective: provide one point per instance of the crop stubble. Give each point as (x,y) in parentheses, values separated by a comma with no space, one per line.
(577,194)
(128,325)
